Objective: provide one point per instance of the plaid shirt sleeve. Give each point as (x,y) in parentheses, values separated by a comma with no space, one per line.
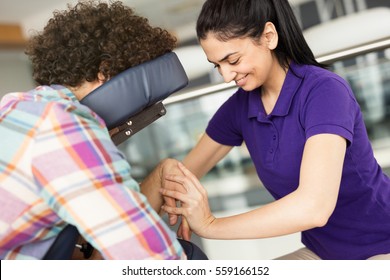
(85,179)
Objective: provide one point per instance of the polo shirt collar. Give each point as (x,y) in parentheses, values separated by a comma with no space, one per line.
(290,86)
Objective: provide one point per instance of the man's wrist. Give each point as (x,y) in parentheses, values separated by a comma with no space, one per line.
(165,166)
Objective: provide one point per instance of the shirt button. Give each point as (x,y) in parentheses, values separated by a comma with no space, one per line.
(274,137)
(271,151)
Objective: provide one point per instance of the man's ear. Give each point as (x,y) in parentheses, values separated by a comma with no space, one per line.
(270,35)
(101,78)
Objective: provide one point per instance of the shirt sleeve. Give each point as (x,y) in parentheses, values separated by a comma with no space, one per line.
(224,126)
(330,108)
(86,181)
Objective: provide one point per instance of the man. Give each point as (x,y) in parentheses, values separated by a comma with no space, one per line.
(58,165)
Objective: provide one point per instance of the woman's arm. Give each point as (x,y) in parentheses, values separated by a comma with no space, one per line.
(205,155)
(309,206)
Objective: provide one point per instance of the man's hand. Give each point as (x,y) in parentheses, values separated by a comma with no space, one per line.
(171,168)
(155,181)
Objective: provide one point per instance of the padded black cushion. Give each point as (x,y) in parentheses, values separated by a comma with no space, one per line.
(136,88)
(192,251)
(63,246)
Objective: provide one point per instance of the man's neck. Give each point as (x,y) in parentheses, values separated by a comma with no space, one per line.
(85,88)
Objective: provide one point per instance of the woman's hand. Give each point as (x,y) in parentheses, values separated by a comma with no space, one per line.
(193,198)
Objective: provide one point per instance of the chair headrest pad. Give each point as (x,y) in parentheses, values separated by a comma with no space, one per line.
(136,88)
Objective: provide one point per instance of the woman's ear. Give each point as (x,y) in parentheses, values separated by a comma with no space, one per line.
(270,35)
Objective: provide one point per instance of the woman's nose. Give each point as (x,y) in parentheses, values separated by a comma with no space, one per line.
(227,74)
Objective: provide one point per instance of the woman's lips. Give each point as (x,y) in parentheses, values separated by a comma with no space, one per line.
(240,82)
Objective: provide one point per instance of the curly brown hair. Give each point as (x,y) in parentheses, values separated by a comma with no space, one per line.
(94,37)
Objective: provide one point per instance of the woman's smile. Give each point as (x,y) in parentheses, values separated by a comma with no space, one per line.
(240,82)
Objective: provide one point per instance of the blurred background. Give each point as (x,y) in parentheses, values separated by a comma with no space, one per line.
(353,36)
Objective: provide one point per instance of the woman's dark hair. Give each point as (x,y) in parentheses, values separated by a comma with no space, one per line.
(94,37)
(229,19)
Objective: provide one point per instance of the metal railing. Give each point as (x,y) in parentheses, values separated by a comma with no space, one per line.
(327,59)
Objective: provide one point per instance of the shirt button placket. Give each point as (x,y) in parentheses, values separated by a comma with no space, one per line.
(272,144)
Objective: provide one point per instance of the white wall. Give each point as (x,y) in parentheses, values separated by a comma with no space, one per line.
(15,72)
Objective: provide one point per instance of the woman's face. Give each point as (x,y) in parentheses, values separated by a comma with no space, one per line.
(244,61)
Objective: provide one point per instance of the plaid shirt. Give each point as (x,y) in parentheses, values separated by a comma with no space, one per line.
(58,166)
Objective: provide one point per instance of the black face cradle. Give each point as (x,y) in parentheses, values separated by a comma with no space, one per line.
(135,90)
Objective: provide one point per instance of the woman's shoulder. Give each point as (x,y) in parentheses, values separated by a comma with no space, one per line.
(316,78)
(313,73)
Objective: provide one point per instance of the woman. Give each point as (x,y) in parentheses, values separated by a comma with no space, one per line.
(305,133)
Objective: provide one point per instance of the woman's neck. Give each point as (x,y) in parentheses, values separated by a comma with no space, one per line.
(270,90)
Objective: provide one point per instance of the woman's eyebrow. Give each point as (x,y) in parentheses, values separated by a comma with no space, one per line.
(224,58)
(227,56)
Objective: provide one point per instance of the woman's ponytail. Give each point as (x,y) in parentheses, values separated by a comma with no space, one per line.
(292,44)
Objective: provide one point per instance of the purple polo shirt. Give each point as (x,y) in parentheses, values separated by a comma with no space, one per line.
(313,101)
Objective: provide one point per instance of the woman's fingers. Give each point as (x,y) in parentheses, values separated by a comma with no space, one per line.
(174,194)
(172,210)
(190,182)
(178,179)
(173,219)
(195,181)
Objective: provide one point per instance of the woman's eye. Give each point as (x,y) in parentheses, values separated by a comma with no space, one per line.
(234,62)
(216,66)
